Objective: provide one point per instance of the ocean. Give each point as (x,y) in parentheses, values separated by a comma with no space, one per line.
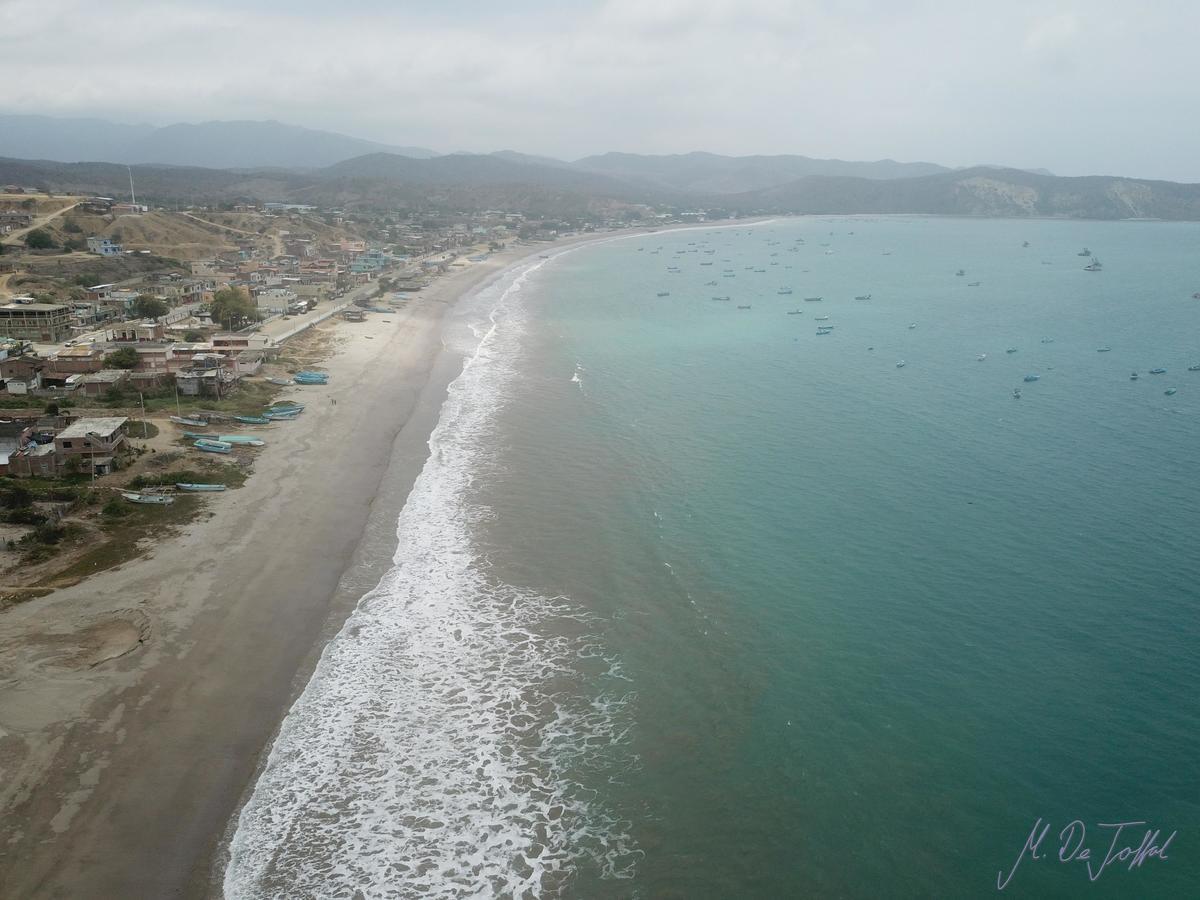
(692,601)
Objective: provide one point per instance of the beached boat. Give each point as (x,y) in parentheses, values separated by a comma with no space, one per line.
(721,298)
(282,382)
(190,421)
(311,379)
(213,446)
(196,487)
(281,416)
(148,499)
(247,439)
(1133,376)
(252,420)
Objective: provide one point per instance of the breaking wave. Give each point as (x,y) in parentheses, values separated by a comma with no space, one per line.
(446,742)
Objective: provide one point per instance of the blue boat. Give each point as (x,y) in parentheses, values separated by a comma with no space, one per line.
(252,420)
(248,439)
(210,446)
(281,416)
(195,487)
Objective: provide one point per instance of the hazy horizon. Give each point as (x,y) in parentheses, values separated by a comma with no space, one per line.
(1028,85)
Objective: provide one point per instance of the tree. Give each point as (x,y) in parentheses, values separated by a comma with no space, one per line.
(70,226)
(52,408)
(125,358)
(146,307)
(40,239)
(193,337)
(231,306)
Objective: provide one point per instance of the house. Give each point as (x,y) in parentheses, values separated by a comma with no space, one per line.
(22,374)
(128,209)
(99,383)
(47,323)
(103,246)
(81,360)
(133,332)
(15,218)
(94,442)
(98,292)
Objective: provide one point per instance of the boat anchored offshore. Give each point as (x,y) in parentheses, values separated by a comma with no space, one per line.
(746,306)
(1158,371)
(1094,265)
(195,487)
(901,364)
(1084,252)
(863,297)
(812,299)
(1195,368)
(663,294)
(1105,349)
(1170,391)
(1133,376)
(1031,378)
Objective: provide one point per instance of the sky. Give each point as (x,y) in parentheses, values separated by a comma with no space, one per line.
(1100,87)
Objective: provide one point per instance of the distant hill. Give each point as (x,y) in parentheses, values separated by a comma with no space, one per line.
(214,145)
(465,182)
(710,173)
(983,191)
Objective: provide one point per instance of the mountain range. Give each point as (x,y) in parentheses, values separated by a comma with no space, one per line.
(213,145)
(304,166)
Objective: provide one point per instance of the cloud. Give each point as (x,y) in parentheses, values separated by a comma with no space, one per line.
(954,83)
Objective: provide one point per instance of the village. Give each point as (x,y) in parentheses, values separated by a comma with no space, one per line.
(142,350)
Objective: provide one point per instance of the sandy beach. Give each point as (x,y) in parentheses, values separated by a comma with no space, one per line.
(134,706)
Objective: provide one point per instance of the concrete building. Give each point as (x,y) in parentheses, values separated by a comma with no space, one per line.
(94,442)
(103,246)
(46,323)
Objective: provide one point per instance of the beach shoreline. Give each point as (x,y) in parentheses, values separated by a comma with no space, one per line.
(136,707)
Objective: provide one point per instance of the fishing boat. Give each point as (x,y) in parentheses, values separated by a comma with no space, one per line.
(795,312)
(1011,350)
(663,294)
(912,326)
(284,406)
(1170,391)
(282,382)
(1133,376)
(1196,296)
(148,499)
(1016,393)
(821,331)
(196,488)
(1084,252)
(981,357)
(721,298)
(974,283)
(1024,243)
(710,284)
(1031,378)
(901,364)
(252,420)
(213,446)
(785,290)
(961,272)
(190,421)
(312,379)
(1159,371)
(747,306)
(1094,265)
(197,436)
(248,439)
(822,319)
(1195,368)
(1104,349)
(812,299)
(863,297)
(281,416)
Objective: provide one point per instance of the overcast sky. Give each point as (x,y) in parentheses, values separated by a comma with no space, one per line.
(1079,88)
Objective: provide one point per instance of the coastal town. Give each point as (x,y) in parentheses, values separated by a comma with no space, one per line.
(143,350)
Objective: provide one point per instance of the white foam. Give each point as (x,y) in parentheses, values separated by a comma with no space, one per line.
(438,749)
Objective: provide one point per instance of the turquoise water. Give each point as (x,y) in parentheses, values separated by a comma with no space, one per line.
(691,602)
(878,620)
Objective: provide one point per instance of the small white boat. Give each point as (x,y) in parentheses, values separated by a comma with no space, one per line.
(901,364)
(196,487)
(189,421)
